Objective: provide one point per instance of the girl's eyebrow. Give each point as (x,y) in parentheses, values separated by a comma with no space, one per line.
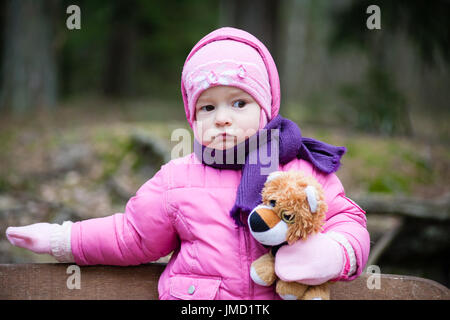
(240,94)
(237,92)
(200,99)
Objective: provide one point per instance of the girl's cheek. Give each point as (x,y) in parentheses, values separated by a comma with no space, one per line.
(198,129)
(251,121)
(203,131)
(208,134)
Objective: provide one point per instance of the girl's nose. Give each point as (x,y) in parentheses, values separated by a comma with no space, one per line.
(222,117)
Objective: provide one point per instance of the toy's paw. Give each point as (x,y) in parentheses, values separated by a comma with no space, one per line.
(290,290)
(256,279)
(320,292)
(262,270)
(288,297)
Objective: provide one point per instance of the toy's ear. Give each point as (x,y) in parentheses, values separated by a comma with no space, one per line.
(274,175)
(311,195)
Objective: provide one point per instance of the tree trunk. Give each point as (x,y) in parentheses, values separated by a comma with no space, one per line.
(260,18)
(28,78)
(118,79)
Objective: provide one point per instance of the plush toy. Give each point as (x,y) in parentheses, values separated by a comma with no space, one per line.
(293,208)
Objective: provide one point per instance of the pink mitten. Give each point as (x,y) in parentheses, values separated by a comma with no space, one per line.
(312,262)
(53,239)
(34,237)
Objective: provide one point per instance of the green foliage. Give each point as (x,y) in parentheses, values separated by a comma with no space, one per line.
(83,53)
(426,24)
(389,166)
(393,183)
(163,34)
(376,105)
(4,185)
(112,148)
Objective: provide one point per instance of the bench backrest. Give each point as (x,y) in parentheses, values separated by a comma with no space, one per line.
(50,281)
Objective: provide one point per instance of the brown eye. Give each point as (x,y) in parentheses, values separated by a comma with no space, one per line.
(239,104)
(286,217)
(207,108)
(273,203)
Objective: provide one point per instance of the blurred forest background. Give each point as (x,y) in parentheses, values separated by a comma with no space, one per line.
(86,115)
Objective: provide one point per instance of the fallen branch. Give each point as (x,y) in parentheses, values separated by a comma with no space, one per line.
(437,209)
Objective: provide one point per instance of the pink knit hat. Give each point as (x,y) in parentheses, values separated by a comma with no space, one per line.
(233,57)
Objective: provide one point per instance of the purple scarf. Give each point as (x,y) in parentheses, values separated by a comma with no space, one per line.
(260,154)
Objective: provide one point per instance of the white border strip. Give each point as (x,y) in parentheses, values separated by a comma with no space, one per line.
(351,253)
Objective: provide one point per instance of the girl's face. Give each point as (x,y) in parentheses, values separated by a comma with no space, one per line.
(226,116)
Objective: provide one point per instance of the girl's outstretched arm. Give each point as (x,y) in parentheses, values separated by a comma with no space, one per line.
(141,234)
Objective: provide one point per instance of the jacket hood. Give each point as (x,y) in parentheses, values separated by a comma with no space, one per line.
(229,33)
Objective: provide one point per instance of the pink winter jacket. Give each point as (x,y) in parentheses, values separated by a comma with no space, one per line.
(185,208)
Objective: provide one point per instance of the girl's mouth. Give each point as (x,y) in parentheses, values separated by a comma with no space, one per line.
(224,136)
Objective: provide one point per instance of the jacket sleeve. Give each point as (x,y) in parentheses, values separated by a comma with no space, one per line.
(346,223)
(141,234)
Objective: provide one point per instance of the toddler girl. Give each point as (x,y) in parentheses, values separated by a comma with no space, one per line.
(197,206)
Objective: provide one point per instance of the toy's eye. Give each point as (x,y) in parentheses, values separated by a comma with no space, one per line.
(286,217)
(273,203)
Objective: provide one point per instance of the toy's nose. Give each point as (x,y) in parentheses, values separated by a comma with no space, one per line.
(256,223)
(262,218)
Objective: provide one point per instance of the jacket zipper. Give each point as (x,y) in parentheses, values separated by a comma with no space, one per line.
(248,259)
(249,263)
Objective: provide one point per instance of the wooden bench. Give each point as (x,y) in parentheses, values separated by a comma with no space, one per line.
(49,281)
